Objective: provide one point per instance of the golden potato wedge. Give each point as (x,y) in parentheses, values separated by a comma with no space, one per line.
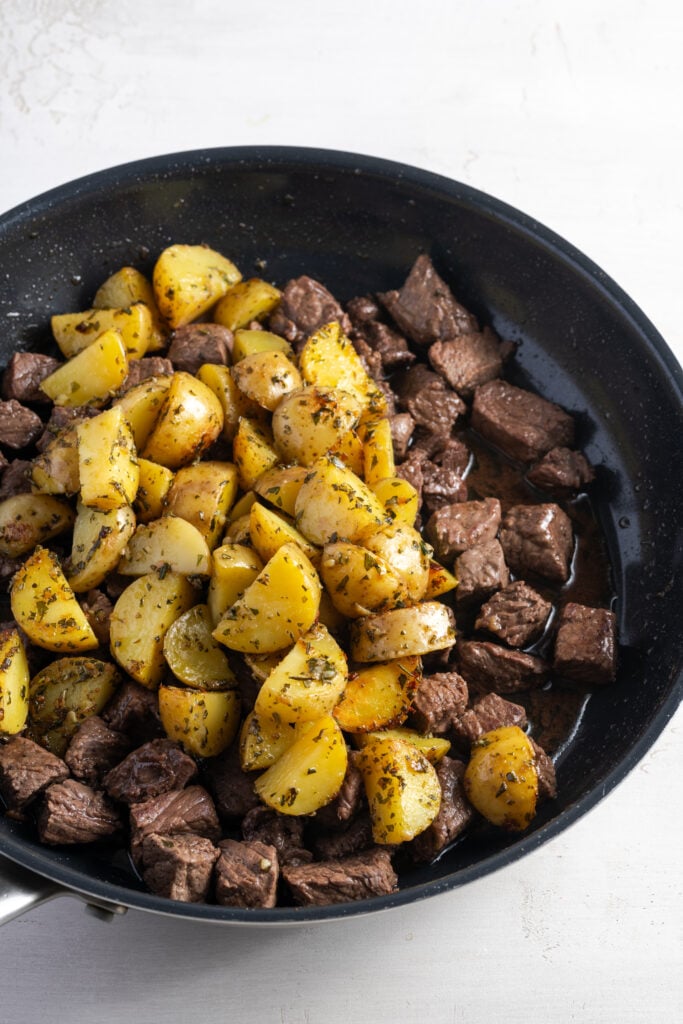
(90,377)
(357,581)
(99,540)
(402,788)
(142,404)
(400,499)
(266,378)
(188,280)
(64,694)
(402,547)
(309,773)
(154,483)
(14,681)
(107,460)
(233,568)
(193,656)
(280,485)
(246,301)
(141,617)
(308,682)
(501,780)
(253,452)
(310,421)
(45,607)
(190,420)
(30,519)
(204,493)
(55,469)
(242,506)
(263,741)
(433,747)
(234,402)
(277,608)
(378,451)
(126,287)
(166,544)
(334,504)
(329,359)
(425,627)
(268,531)
(379,696)
(248,342)
(75,331)
(440,581)
(204,723)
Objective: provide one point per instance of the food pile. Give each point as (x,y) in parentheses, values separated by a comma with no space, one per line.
(267,611)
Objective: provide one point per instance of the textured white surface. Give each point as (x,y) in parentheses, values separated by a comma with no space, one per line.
(569,112)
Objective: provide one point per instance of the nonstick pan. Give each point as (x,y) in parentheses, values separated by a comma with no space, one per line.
(357,223)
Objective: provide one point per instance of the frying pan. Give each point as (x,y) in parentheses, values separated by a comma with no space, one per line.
(357,224)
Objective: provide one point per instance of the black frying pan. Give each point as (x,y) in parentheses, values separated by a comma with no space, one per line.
(357,224)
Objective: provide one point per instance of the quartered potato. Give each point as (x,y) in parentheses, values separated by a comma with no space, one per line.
(248,342)
(55,469)
(166,544)
(126,287)
(433,747)
(92,376)
(188,280)
(203,722)
(246,301)
(203,494)
(30,519)
(425,627)
(378,451)
(268,531)
(190,420)
(107,460)
(280,485)
(307,683)
(402,788)
(193,656)
(266,378)
(329,359)
(334,504)
(253,451)
(234,402)
(75,331)
(400,499)
(142,404)
(263,741)
(501,780)
(64,694)
(99,540)
(379,696)
(310,421)
(402,547)
(14,681)
(309,773)
(440,581)
(154,483)
(357,581)
(233,568)
(45,607)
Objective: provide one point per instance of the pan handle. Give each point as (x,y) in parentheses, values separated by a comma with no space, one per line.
(21,890)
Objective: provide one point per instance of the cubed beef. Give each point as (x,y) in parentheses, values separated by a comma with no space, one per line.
(545,769)
(389,397)
(517,614)
(178,812)
(98,609)
(347,801)
(554,712)
(402,427)
(562,472)
(487,666)
(75,813)
(455,812)
(333,844)
(454,528)
(15,479)
(443,450)
(232,789)
(363,309)
(411,470)
(8,567)
(388,344)
(24,374)
(425,308)
(440,700)
(143,369)
(371,360)
(26,770)
(480,571)
(61,418)
(522,424)
(490,712)
(196,344)
(246,874)
(441,486)
(134,710)
(467,360)
(424,395)
(179,867)
(19,426)
(283,832)
(339,881)
(586,643)
(538,539)
(94,750)
(154,768)
(305,306)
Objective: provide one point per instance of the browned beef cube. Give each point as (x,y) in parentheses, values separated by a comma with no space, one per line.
(538,539)
(26,770)
(246,874)
(232,789)
(75,813)
(455,812)
(98,609)
(562,472)
(283,832)
(196,344)
(24,374)
(490,712)
(371,360)
(178,812)
(363,309)
(339,881)
(585,647)
(19,426)
(411,470)
(467,360)
(15,479)
(545,769)
(440,700)
(388,344)
(425,308)
(554,712)
(62,417)
(402,427)
(305,306)
(8,567)
(357,836)
(522,424)
(143,369)
(454,528)
(134,710)
(154,768)
(489,666)
(389,397)
(94,750)
(517,614)
(443,450)
(348,800)
(432,405)
(480,571)
(178,867)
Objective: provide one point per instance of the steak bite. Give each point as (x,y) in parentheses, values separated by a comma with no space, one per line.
(480,571)
(19,426)
(562,472)
(467,360)
(439,701)
(143,369)
(15,478)
(425,309)
(517,614)
(348,800)
(179,867)
(178,812)
(454,528)
(487,666)
(232,789)
(523,425)
(545,769)
(284,832)
(356,836)
(433,406)
(75,813)
(402,427)
(196,344)
(24,374)
(585,646)
(305,305)
(455,812)
(154,768)
(357,877)
(538,539)
(490,712)
(388,344)
(94,750)
(246,874)
(26,770)
(134,710)
(98,609)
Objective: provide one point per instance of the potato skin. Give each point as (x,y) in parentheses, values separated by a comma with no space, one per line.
(190,420)
(266,378)
(392,634)
(30,519)
(310,421)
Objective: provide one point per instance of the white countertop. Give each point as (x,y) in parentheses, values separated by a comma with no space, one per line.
(568,111)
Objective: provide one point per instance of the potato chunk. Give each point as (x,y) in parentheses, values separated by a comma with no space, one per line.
(99,540)
(90,377)
(45,607)
(64,694)
(310,421)
(334,504)
(253,451)
(169,543)
(244,302)
(142,404)
(204,723)
(393,634)
(328,358)
(203,494)
(402,788)
(107,460)
(193,656)
(190,420)
(126,287)
(501,780)
(379,696)
(357,581)
(29,519)
(310,772)
(308,682)
(266,378)
(189,279)
(75,331)
(233,568)
(14,680)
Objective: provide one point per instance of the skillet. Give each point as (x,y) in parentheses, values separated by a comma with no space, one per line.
(357,223)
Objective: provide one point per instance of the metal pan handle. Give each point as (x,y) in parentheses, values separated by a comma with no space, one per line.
(21,890)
